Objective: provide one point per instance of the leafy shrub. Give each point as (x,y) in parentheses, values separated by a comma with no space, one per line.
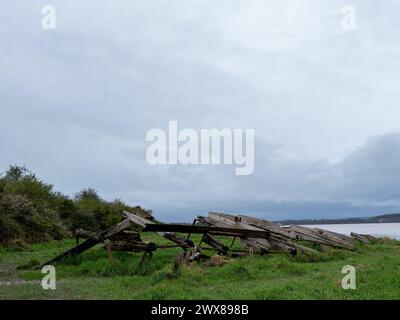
(31,211)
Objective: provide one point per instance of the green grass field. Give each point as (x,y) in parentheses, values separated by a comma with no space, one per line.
(96,275)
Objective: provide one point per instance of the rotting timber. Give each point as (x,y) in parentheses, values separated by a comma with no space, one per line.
(256,236)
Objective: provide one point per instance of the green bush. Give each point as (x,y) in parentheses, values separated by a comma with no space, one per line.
(10,229)
(31,211)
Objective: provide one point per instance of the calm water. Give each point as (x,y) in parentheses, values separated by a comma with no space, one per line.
(391,230)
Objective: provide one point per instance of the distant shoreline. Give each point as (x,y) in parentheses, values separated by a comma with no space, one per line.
(386,218)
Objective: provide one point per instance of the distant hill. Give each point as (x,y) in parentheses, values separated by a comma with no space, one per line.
(385,218)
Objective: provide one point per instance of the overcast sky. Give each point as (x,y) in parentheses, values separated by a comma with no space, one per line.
(76,103)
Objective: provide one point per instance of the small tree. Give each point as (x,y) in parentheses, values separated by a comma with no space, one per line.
(89,194)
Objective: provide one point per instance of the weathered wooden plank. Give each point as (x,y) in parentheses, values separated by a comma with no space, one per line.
(262,245)
(241,222)
(365,238)
(145,223)
(334,237)
(132,246)
(126,235)
(341,236)
(90,242)
(314,235)
(182,242)
(301,233)
(307,234)
(72,252)
(285,246)
(115,229)
(293,233)
(215,243)
(188,228)
(233,222)
(304,249)
(137,219)
(84,234)
(254,245)
(267,225)
(275,230)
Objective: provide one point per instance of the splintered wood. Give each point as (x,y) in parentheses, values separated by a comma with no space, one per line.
(255,235)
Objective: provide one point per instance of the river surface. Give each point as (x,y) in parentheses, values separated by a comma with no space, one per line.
(391,230)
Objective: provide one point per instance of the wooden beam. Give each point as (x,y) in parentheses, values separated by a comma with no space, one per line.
(232,221)
(115,229)
(188,228)
(215,243)
(184,243)
(225,220)
(145,224)
(90,242)
(81,233)
(278,233)
(261,245)
(254,245)
(308,234)
(364,238)
(267,225)
(337,235)
(126,235)
(132,246)
(140,221)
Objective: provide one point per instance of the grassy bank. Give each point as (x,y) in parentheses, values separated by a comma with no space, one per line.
(96,275)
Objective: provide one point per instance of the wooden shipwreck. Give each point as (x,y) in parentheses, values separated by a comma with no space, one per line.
(255,235)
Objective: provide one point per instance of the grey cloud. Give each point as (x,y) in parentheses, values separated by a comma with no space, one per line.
(363,183)
(76,104)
